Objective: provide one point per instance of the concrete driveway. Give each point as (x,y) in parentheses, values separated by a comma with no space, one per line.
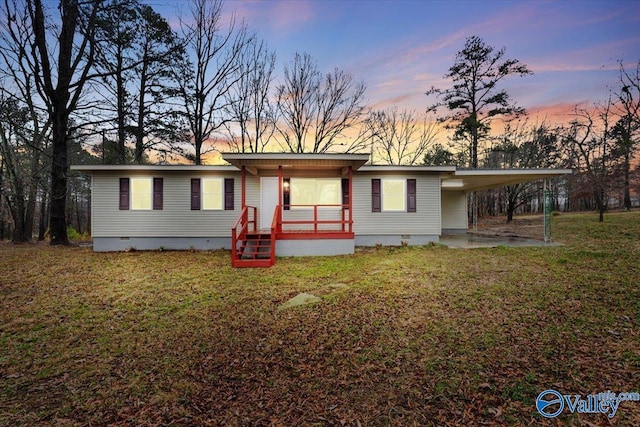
(471,241)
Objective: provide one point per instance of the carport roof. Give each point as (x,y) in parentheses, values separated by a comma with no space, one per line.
(482,179)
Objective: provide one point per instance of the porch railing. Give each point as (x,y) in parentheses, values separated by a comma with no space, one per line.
(346,224)
(246,223)
(274,228)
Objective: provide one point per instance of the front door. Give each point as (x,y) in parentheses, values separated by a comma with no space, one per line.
(268,200)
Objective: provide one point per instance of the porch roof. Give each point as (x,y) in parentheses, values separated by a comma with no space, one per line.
(292,161)
(482,179)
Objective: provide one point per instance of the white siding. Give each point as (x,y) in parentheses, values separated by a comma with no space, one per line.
(454,210)
(175,220)
(426,219)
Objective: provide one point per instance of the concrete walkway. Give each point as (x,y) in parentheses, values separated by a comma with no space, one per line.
(472,241)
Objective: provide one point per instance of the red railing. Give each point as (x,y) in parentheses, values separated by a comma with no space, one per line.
(240,229)
(275,223)
(346,225)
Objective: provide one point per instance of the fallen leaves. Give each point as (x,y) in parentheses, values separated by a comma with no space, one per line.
(434,337)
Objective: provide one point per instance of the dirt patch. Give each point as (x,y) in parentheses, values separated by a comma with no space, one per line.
(529,227)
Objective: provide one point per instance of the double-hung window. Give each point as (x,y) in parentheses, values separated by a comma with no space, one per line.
(393,195)
(212,193)
(141,193)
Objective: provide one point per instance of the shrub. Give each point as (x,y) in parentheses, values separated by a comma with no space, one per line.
(74,235)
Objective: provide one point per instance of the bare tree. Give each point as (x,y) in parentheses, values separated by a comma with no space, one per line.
(116,29)
(25,124)
(217,54)
(474,98)
(248,101)
(626,130)
(60,57)
(523,145)
(587,141)
(401,137)
(138,57)
(22,160)
(315,111)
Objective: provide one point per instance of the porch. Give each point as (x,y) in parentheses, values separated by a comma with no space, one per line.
(303,206)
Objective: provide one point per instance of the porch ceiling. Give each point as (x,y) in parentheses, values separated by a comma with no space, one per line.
(482,179)
(290,161)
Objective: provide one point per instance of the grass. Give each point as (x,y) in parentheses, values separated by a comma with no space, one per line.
(403,336)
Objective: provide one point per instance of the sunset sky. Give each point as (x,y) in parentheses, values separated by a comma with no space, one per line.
(402,48)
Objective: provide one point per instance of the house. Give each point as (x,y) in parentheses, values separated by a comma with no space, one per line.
(269,204)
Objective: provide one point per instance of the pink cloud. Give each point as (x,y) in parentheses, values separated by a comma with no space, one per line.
(282,17)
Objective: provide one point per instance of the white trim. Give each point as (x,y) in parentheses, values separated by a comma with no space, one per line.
(405,169)
(294,156)
(159,168)
(511,172)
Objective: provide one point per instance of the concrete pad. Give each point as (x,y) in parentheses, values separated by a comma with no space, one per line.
(300,299)
(471,241)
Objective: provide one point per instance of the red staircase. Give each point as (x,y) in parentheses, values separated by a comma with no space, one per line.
(251,248)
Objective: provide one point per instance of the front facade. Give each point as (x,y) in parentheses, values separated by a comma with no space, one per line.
(263,205)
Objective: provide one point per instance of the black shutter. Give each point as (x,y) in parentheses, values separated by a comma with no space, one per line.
(195,194)
(376,200)
(124,194)
(286,194)
(411,195)
(158,188)
(228,194)
(345,191)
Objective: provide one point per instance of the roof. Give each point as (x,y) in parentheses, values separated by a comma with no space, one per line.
(407,168)
(160,168)
(452,179)
(482,179)
(307,161)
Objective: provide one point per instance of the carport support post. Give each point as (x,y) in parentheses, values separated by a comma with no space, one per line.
(546,212)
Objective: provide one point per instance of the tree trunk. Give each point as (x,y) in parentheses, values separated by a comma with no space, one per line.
(59,169)
(139,150)
(17,208)
(42,226)
(30,212)
(120,90)
(600,203)
(627,193)
(1,202)
(474,139)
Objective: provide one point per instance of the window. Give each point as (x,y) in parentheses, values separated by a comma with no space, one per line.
(140,193)
(393,194)
(212,193)
(311,191)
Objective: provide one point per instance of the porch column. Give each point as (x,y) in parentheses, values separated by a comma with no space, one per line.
(244,185)
(280,182)
(350,199)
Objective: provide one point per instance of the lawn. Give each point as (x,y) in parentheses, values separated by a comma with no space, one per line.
(402,336)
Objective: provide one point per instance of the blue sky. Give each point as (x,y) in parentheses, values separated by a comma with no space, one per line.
(402,48)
